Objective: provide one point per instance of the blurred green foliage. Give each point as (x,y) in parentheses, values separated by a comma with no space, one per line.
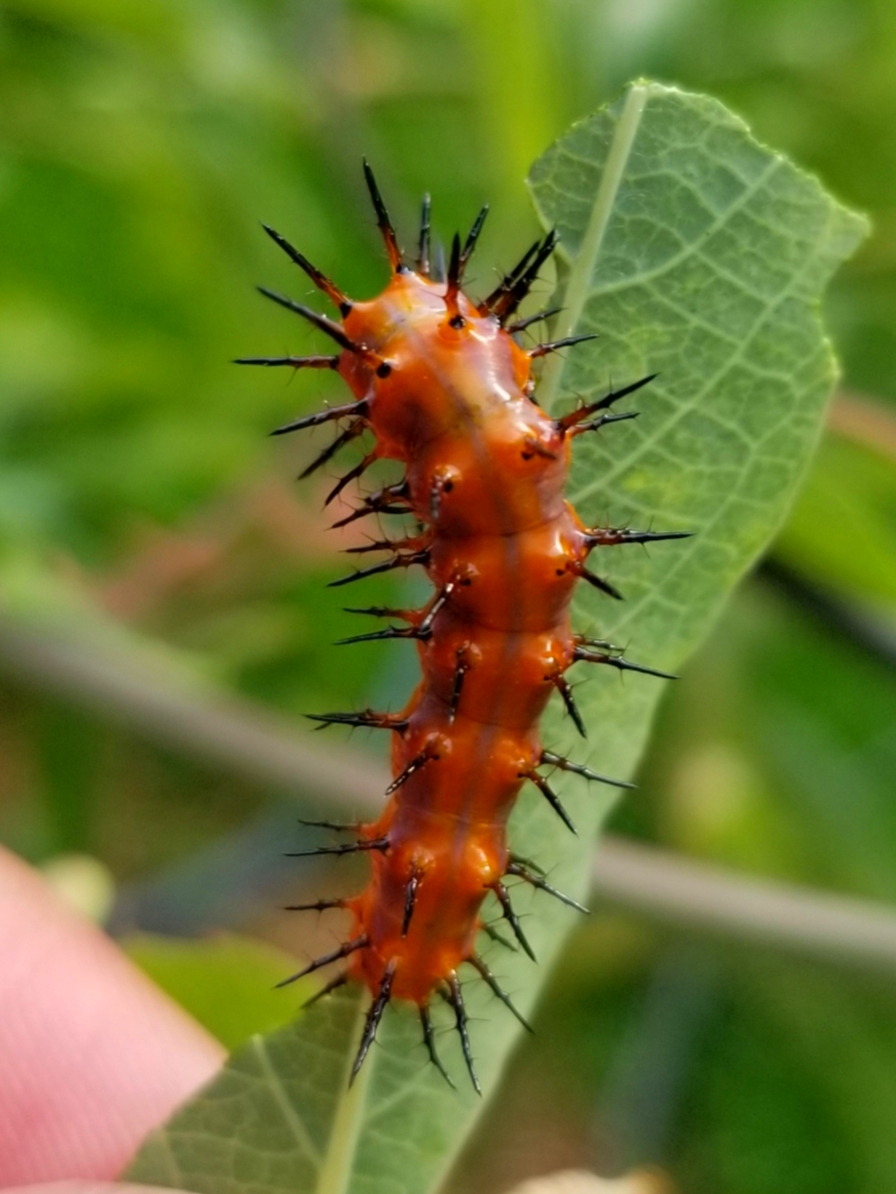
(198,974)
(142,140)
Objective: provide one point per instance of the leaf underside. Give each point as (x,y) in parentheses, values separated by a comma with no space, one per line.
(699,255)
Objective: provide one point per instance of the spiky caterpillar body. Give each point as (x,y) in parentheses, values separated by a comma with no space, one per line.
(486,471)
(447,391)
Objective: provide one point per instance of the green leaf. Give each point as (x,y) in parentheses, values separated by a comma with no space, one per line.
(697,254)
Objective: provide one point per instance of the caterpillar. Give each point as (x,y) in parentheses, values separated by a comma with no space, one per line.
(448,391)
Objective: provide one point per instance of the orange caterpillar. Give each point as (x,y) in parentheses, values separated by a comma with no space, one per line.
(446,389)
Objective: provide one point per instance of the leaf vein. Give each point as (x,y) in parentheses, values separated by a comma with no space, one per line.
(291,1117)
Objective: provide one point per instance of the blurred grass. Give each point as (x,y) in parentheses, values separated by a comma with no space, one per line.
(140,143)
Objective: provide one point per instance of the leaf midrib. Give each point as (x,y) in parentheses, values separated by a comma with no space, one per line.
(578,283)
(335,1174)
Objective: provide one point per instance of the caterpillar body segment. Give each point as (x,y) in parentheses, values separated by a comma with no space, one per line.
(446,390)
